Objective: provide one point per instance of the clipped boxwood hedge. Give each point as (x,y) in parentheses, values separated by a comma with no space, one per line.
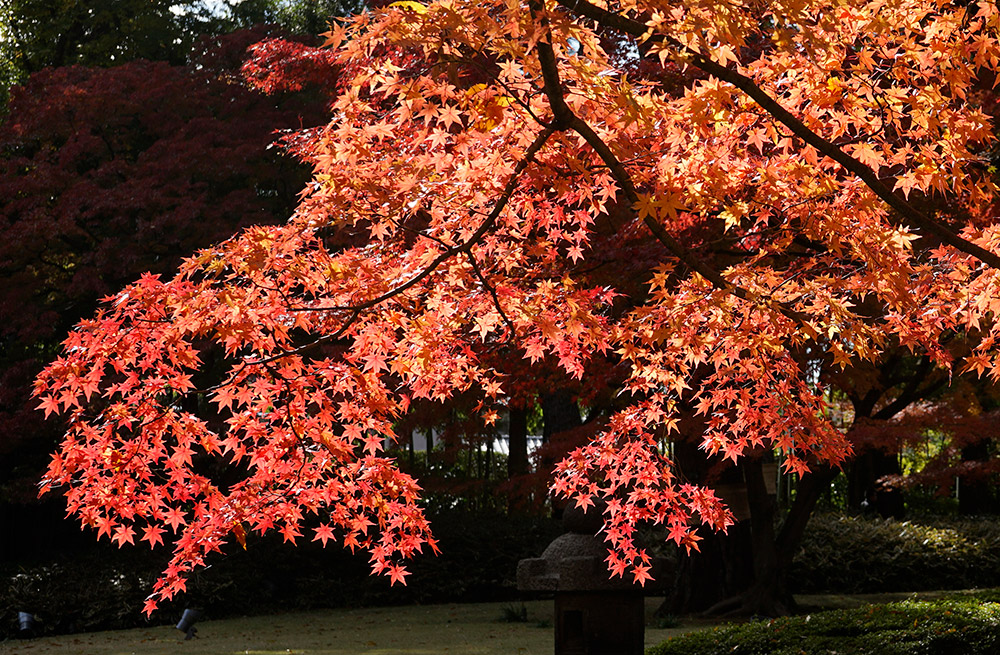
(853,554)
(961,625)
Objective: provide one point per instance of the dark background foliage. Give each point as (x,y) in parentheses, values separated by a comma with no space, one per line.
(97,586)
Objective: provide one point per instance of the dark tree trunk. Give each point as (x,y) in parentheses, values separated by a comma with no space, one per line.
(975,493)
(745,571)
(719,570)
(769,594)
(860,479)
(786,543)
(517,433)
(560,412)
(723,566)
(865,492)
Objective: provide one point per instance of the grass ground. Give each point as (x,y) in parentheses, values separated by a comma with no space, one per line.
(476,629)
(958,624)
(460,629)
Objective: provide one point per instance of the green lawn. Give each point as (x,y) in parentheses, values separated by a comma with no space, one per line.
(458,629)
(414,630)
(956,624)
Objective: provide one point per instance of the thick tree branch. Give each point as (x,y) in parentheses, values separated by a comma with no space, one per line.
(912,392)
(910,214)
(564,118)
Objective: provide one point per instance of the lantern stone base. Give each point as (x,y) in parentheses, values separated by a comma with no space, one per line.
(595,613)
(599,623)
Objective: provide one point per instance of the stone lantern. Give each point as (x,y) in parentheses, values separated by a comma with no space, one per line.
(595,614)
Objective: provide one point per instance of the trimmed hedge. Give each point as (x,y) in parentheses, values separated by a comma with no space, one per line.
(852,554)
(961,625)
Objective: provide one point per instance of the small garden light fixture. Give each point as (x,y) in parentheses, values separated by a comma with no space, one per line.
(186,624)
(26,624)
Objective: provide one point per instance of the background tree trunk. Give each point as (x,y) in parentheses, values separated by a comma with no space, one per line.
(517,434)
(864,490)
(975,493)
(745,571)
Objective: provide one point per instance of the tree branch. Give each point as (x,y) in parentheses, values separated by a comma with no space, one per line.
(493,293)
(465,247)
(564,118)
(910,214)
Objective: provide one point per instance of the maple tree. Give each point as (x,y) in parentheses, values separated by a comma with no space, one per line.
(109,172)
(934,433)
(785,193)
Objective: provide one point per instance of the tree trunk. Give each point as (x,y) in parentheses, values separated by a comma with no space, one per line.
(722,567)
(560,412)
(864,492)
(808,492)
(769,594)
(745,571)
(975,493)
(517,434)
(719,570)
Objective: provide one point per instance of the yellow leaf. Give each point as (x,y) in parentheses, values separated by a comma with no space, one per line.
(410,4)
(733,214)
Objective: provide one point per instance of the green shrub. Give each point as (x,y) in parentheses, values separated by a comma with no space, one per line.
(965,625)
(850,554)
(85,593)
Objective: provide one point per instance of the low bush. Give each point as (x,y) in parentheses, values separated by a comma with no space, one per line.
(852,554)
(961,625)
(88,592)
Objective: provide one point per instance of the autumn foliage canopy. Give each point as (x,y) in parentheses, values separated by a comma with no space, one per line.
(812,176)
